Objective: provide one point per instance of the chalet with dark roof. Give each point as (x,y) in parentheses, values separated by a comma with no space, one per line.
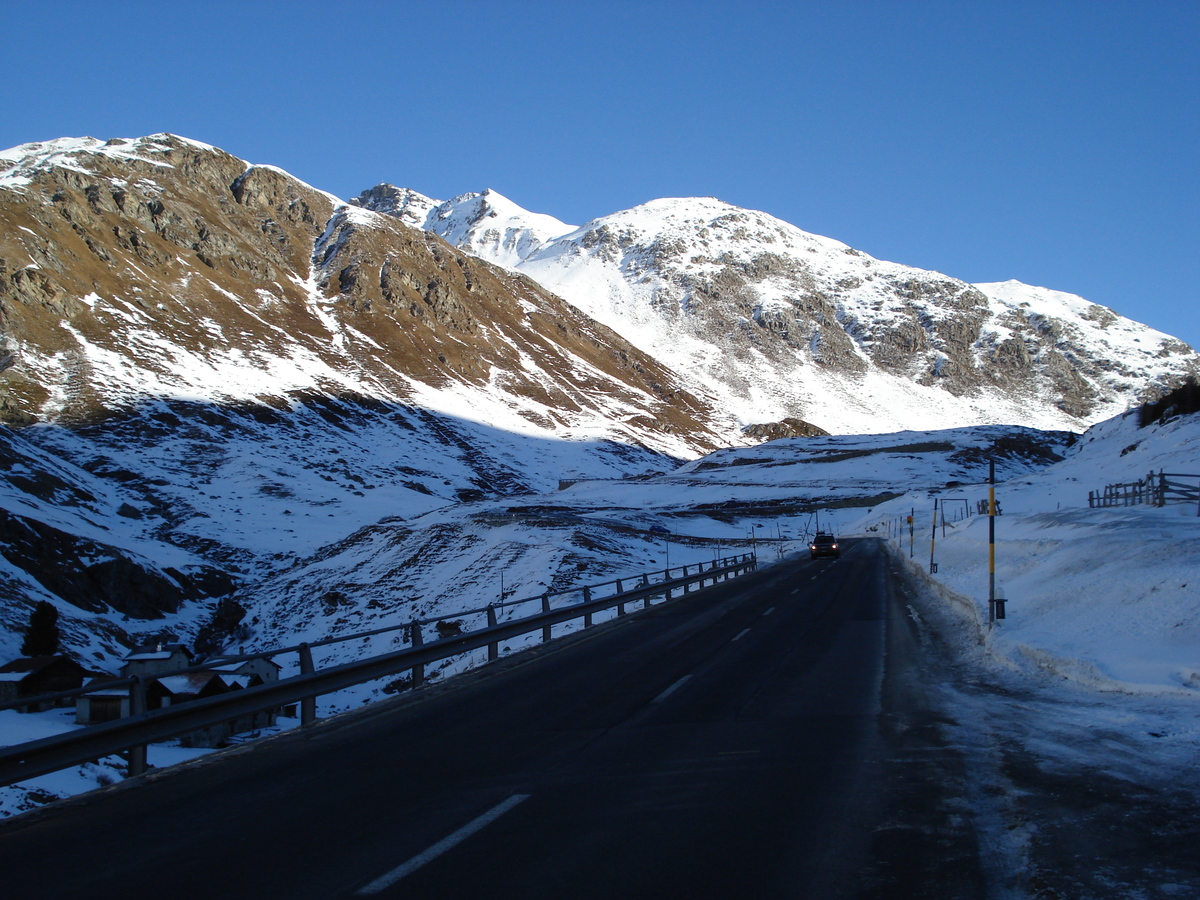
(33,675)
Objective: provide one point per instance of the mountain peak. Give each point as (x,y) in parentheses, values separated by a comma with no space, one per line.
(736,300)
(404,204)
(485,223)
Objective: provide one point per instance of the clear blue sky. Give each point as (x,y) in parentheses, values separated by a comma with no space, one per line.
(1056,142)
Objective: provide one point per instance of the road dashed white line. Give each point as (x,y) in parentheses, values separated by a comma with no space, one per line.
(669,691)
(769,611)
(744,632)
(446,843)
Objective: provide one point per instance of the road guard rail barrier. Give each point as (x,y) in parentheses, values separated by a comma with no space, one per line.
(134,732)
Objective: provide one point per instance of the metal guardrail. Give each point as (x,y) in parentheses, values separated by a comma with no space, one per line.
(132,733)
(489,613)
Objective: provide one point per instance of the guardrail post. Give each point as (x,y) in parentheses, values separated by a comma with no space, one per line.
(418,671)
(308,706)
(494,646)
(687,587)
(545,609)
(137,706)
(587,598)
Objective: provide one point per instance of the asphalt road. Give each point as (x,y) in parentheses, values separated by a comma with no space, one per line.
(768,737)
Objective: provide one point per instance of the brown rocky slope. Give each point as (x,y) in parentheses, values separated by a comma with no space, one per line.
(243,369)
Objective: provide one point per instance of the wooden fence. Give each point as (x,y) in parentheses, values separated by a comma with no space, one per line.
(1156,489)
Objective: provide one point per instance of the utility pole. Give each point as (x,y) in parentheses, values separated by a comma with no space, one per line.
(991,543)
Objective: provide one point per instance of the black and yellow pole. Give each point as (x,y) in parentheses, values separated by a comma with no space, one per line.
(933,539)
(991,543)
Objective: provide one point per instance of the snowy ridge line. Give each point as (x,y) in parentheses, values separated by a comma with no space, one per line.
(41,757)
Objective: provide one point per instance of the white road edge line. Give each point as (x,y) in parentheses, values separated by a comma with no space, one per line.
(672,689)
(769,611)
(387,880)
(745,631)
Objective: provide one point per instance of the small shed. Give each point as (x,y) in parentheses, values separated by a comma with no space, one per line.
(33,675)
(103,705)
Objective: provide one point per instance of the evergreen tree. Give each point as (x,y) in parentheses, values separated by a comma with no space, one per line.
(41,637)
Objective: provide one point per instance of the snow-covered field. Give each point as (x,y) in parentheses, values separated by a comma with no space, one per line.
(1103,605)
(1106,597)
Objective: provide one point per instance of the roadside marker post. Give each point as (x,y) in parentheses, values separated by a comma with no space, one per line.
(933,539)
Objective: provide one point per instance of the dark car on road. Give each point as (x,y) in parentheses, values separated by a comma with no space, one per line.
(824,545)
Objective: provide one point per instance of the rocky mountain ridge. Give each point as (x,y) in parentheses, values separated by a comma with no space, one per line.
(779,323)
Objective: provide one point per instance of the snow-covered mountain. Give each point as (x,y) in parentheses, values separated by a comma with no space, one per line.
(777,323)
(219,381)
(226,393)
(211,370)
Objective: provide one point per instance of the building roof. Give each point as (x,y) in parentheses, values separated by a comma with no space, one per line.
(115,691)
(27,665)
(222,666)
(190,683)
(157,651)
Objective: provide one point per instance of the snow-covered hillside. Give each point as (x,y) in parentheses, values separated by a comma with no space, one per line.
(211,370)
(1106,597)
(779,323)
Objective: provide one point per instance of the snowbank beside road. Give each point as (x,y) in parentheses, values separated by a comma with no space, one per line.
(1105,597)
